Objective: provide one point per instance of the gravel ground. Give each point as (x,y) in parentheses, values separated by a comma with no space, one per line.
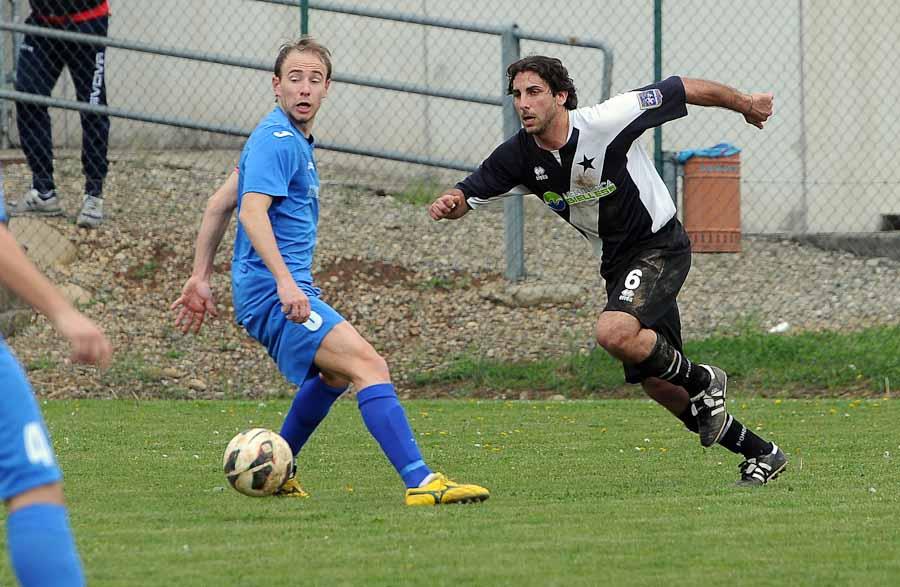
(421,292)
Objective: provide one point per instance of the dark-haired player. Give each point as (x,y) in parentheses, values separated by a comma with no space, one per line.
(587,166)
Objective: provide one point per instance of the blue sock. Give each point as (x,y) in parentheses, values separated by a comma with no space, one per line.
(386,421)
(309,408)
(42,548)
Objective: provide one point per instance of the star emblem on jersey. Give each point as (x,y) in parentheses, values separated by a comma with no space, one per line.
(587,163)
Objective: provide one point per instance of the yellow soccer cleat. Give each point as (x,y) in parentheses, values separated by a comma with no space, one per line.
(437,489)
(291,488)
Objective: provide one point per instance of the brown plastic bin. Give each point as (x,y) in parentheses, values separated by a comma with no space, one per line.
(712,203)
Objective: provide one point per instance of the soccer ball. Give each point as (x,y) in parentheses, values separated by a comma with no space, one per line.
(257,462)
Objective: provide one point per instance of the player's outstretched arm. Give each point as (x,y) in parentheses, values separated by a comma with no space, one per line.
(757,108)
(89,344)
(451,205)
(196,299)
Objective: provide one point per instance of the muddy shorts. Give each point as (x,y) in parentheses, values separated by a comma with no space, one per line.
(646,288)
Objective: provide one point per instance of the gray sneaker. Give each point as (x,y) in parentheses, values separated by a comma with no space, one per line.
(709,407)
(33,201)
(91,215)
(761,470)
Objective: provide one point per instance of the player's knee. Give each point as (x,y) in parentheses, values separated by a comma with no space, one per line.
(612,338)
(377,367)
(368,365)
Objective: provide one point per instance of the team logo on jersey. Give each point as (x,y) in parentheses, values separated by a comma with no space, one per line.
(555,201)
(587,163)
(540,174)
(650,99)
(280,134)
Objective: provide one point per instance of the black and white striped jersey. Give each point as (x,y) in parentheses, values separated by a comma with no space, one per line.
(601,181)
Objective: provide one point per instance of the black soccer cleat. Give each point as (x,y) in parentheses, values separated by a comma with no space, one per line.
(709,407)
(760,470)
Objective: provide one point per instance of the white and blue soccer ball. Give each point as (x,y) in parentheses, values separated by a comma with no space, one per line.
(257,462)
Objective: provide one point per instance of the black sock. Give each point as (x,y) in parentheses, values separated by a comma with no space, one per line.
(689,419)
(741,440)
(667,362)
(737,438)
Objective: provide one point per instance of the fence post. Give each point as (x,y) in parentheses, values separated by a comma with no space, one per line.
(304,17)
(5,78)
(513,213)
(657,77)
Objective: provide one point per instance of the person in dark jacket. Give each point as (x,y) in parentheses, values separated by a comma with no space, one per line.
(40,63)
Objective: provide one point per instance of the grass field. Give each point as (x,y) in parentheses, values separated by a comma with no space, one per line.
(584,493)
(861,362)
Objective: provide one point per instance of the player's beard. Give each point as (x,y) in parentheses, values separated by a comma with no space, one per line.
(542,126)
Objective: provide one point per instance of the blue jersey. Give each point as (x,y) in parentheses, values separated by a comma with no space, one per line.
(278,161)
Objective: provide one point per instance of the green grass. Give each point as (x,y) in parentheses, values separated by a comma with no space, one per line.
(420,192)
(40,364)
(609,492)
(829,362)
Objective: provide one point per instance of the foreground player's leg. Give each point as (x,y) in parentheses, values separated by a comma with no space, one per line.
(386,420)
(764,461)
(310,406)
(41,546)
(706,386)
(345,353)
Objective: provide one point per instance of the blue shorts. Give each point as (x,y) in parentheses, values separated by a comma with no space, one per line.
(26,456)
(292,346)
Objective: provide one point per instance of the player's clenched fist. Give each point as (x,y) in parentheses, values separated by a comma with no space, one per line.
(762,107)
(451,204)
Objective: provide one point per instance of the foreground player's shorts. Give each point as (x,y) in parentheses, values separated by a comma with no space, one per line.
(292,346)
(26,456)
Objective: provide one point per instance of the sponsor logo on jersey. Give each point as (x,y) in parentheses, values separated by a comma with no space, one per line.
(280,134)
(310,166)
(540,174)
(579,196)
(650,99)
(555,201)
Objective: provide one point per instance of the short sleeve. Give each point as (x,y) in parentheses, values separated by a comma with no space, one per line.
(270,163)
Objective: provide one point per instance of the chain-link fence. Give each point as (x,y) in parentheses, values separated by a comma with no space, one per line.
(832,133)
(416,102)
